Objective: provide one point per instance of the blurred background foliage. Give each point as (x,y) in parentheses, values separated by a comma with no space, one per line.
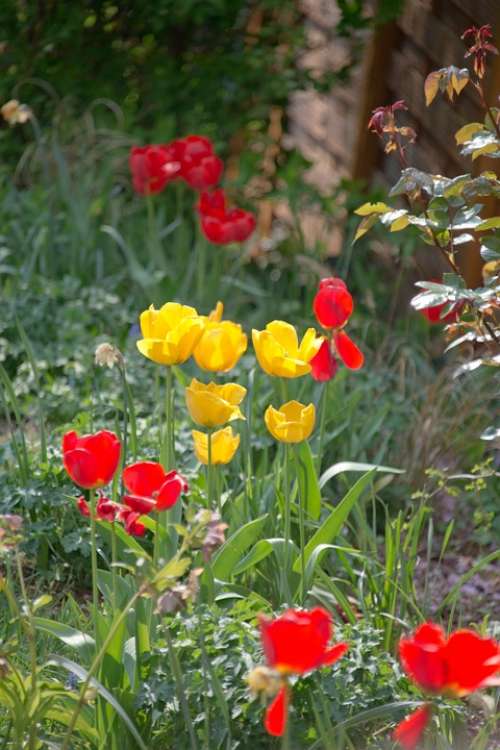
(214,66)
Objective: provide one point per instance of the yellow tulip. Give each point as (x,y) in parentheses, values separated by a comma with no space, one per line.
(279,352)
(291,423)
(224,445)
(213,405)
(220,346)
(216,314)
(170,334)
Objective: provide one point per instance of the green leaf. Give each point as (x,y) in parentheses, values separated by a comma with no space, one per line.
(41,601)
(230,553)
(81,673)
(309,489)
(333,524)
(493,223)
(72,637)
(259,552)
(344,466)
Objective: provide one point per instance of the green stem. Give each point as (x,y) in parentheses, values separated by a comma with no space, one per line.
(96,662)
(154,240)
(285,743)
(301,533)
(30,635)
(322,425)
(201,265)
(93,555)
(287,524)
(113,565)
(181,691)
(210,476)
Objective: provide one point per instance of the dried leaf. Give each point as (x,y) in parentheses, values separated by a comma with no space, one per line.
(465,133)
(431,86)
(365,225)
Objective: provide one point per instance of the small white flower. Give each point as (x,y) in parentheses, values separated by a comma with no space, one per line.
(108,355)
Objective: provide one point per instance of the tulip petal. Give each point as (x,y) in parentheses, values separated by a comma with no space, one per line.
(169,492)
(333,306)
(409,732)
(139,504)
(82,468)
(143,478)
(277,714)
(348,352)
(324,365)
(335,653)
(471,661)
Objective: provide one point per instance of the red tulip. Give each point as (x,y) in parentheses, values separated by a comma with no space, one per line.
(434,313)
(200,167)
(297,641)
(347,350)
(277,713)
(409,732)
(458,665)
(83,506)
(220,225)
(324,365)
(106,509)
(204,173)
(130,520)
(333,305)
(153,167)
(91,460)
(213,203)
(150,488)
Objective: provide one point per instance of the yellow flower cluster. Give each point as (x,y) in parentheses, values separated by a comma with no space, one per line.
(175,332)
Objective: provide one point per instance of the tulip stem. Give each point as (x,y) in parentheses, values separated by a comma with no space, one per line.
(113,563)
(154,239)
(166,449)
(301,531)
(285,744)
(93,553)
(210,475)
(201,264)
(322,425)
(287,524)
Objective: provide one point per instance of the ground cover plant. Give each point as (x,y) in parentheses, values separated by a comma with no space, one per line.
(223,511)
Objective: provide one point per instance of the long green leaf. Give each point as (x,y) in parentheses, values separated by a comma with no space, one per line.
(333,524)
(308,481)
(81,673)
(259,552)
(72,637)
(345,466)
(233,549)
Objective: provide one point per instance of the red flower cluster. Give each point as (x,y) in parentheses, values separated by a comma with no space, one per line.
(193,160)
(333,306)
(454,666)
(220,224)
(296,643)
(92,460)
